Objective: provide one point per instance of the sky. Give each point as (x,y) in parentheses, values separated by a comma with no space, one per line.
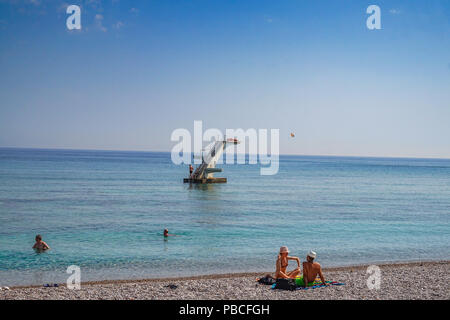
(138,70)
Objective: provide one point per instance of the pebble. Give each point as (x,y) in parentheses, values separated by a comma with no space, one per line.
(402,281)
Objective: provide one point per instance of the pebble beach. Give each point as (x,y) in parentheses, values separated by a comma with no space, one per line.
(418,280)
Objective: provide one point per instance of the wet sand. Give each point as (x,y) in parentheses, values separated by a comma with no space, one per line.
(418,280)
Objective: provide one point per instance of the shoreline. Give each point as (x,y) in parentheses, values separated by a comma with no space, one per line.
(242,274)
(410,280)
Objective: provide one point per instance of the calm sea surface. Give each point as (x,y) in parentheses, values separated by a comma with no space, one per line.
(105,212)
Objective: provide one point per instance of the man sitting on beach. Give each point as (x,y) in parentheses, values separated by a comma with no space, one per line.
(310,271)
(40,245)
(282,263)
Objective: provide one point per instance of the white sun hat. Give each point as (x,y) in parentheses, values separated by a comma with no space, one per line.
(312,254)
(284,249)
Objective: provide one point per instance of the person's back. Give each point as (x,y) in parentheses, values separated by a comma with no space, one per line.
(311,269)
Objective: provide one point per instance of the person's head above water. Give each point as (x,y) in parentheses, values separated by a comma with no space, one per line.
(38,238)
(166,232)
(284,250)
(311,256)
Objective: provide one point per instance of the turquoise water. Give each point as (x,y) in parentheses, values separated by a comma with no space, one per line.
(105,212)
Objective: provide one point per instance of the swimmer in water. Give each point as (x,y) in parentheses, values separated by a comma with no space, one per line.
(166,233)
(40,245)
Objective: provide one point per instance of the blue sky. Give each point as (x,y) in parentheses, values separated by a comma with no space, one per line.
(137,70)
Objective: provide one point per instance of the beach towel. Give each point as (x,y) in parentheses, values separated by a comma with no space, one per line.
(314,285)
(318,284)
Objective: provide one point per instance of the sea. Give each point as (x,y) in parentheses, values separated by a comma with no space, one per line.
(105,211)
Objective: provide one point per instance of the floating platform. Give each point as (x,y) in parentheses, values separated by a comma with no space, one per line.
(205,180)
(205,171)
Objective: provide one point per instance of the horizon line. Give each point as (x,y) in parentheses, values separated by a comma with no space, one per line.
(281,154)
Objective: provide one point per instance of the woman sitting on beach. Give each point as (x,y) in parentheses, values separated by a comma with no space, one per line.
(40,245)
(282,263)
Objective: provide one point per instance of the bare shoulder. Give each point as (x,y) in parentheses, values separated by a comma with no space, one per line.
(316,264)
